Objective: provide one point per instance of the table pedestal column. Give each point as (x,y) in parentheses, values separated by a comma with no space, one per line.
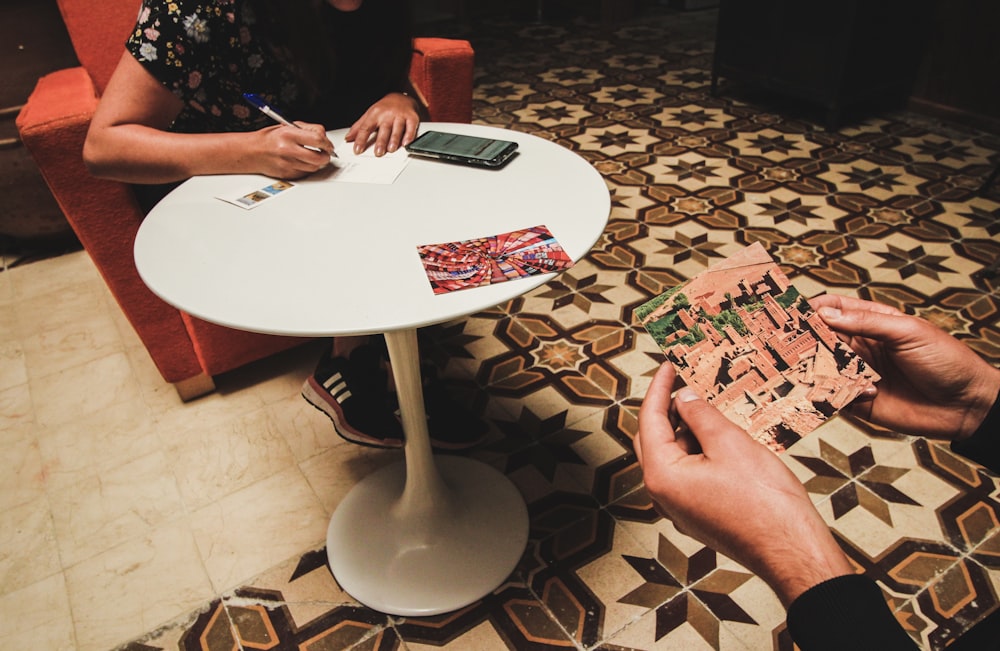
(426,535)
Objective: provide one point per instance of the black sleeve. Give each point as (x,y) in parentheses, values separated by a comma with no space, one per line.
(847,612)
(983,446)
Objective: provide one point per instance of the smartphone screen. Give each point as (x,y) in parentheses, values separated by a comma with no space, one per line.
(462,148)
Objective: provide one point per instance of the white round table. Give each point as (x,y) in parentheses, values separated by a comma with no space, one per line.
(426,535)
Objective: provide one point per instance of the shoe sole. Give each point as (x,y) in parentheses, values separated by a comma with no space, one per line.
(318,398)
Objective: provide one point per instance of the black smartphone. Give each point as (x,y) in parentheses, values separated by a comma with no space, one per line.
(467,150)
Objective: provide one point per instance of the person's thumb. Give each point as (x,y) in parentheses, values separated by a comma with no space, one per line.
(706,423)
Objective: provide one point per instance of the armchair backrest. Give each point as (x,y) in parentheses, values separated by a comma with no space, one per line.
(98,31)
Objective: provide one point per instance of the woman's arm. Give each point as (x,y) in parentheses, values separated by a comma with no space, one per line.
(128,138)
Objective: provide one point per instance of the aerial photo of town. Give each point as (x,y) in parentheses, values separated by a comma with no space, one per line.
(742,336)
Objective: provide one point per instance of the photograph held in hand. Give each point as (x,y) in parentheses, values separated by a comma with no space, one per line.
(744,338)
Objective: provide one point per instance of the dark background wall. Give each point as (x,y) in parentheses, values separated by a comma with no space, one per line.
(33,42)
(960,72)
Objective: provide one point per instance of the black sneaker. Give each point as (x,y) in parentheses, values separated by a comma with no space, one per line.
(452,425)
(353,394)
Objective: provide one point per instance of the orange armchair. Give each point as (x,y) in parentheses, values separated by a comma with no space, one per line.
(105,217)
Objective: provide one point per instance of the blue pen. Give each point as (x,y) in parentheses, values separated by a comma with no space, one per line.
(262,106)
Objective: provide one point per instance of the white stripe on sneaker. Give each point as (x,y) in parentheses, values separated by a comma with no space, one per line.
(337,388)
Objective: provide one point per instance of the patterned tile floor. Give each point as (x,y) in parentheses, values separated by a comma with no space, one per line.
(886,209)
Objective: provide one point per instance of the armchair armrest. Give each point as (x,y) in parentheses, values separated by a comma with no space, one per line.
(53,126)
(441,71)
(60,100)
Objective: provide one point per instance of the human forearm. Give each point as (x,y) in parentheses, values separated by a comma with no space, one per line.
(760,515)
(983,446)
(140,154)
(983,391)
(793,568)
(135,153)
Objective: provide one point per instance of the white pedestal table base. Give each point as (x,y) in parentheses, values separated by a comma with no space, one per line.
(427,535)
(449,560)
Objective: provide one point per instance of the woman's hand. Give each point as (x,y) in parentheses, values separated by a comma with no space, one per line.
(932,384)
(285,152)
(391,122)
(732,493)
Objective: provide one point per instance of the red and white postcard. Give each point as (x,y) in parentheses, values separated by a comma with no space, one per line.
(746,340)
(485,260)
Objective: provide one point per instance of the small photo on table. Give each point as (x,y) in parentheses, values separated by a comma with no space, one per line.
(452,266)
(744,338)
(254,198)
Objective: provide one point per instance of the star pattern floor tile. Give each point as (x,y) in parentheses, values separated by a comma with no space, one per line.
(887,209)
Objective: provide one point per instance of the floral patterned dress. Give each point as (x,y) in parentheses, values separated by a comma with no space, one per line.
(208,53)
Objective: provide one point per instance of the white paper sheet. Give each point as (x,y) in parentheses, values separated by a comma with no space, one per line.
(365,167)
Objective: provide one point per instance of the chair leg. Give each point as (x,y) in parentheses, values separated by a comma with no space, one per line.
(194,387)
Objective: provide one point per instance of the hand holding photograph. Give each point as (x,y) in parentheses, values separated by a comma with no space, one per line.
(748,342)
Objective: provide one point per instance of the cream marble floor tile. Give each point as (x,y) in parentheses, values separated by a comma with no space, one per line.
(252,530)
(335,471)
(100,512)
(218,459)
(38,617)
(210,412)
(54,274)
(28,551)
(73,393)
(16,408)
(97,443)
(9,331)
(277,377)
(136,586)
(24,479)
(307,430)
(13,368)
(82,338)
(58,308)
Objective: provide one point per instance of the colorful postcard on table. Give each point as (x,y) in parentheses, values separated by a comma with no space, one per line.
(747,341)
(486,260)
(254,198)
